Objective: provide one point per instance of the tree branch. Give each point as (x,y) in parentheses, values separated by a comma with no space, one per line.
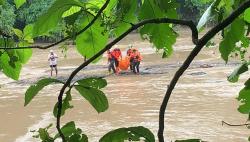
(108,46)
(64,87)
(68,37)
(235,125)
(200,44)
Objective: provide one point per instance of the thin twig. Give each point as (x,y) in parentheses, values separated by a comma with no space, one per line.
(201,43)
(235,125)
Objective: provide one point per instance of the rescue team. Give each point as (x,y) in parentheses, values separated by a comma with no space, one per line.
(117,63)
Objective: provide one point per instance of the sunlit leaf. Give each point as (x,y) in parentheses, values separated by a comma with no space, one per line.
(72,10)
(95,97)
(131,133)
(18,33)
(208,15)
(19,3)
(33,90)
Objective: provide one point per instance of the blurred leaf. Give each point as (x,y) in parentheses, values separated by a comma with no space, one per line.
(97,83)
(131,133)
(18,33)
(125,14)
(234,76)
(95,97)
(65,104)
(244,98)
(11,68)
(28,33)
(235,34)
(161,35)
(51,18)
(92,40)
(208,15)
(24,54)
(19,3)
(33,90)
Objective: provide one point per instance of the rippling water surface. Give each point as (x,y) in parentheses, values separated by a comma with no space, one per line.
(201,100)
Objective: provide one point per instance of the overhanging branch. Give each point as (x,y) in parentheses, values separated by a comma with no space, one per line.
(108,46)
(201,43)
(66,38)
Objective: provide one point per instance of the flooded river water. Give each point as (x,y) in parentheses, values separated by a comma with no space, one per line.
(201,100)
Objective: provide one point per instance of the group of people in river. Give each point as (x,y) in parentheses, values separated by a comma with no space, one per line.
(117,62)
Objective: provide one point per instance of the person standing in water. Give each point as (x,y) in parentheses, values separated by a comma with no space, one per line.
(52,58)
(137,58)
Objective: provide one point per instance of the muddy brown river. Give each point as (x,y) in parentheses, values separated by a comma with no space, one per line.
(201,100)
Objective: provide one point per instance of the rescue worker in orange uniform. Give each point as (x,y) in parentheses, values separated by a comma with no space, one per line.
(115,55)
(129,53)
(136,60)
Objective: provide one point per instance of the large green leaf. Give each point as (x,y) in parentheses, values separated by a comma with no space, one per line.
(131,133)
(65,105)
(19,3)
(53,16)
(234,76)
(10,65)
(234,34)
(95,97)
(97,83)
(244,98)
(33,90)
(161,35)
(92,40)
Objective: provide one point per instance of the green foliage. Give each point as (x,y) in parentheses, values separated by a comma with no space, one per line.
(95,97)
(161,35)
(7,16)
(10,65)
(234,76)
(92,82)
(72,133)
(92,40)
(234,34)
(53,16)
(244,98)
(131,133)
(65,104)
(33,90)
(19,3)
(43,134)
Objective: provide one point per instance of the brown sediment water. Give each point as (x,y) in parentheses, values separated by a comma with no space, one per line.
(200,101)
